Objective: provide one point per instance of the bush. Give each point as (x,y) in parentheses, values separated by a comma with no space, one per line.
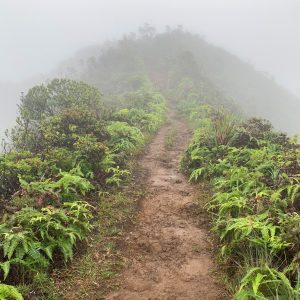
(31,238)
(68,146)
(8,292)
(255,174)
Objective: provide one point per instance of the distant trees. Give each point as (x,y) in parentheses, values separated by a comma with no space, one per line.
(167,57)
(147,31)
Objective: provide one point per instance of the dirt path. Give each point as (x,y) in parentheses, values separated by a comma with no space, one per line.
(169,254)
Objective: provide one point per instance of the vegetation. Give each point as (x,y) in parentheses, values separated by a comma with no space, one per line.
(170,138)
(255,174)
(71,152)
(175,56)
(9,292)
(67,150)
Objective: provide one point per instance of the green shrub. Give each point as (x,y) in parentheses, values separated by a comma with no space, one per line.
(31,237)
(8,292)
(68,187)
(125,139)
(265,283)
(255,173)
(68,146)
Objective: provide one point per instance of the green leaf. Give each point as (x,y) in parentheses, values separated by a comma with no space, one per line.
(5,266)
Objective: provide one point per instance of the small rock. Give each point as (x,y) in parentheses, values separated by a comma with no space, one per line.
(178,181)
(156,247)
(191,206)
(184,193)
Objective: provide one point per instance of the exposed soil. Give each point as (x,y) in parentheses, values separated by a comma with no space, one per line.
(169,253)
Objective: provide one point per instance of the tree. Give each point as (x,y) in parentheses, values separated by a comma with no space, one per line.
(43,102)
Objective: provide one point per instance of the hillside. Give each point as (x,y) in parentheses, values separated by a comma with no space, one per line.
(126,184)
(167,56)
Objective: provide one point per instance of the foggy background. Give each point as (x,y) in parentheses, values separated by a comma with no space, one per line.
(35,36)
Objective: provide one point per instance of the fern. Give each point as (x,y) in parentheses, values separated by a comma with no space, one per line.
(196,174)
(117,176)
(8,292)
(35,235)
(68,187)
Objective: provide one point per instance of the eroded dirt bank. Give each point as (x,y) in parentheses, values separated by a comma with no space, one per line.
(169,254)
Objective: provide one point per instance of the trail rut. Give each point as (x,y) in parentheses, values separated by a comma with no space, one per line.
(169,254)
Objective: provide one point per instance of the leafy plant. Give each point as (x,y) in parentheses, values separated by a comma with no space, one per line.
(223,123)
(117,175)
(8,292)
(125,138)
(32,237)
(265,283)
(69,145)
(67,188)
(256,203)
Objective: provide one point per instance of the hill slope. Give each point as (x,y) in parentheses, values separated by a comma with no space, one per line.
(168,56)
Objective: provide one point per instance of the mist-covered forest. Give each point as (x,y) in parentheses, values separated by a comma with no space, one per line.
(206,122)
(160,56)
(163,55)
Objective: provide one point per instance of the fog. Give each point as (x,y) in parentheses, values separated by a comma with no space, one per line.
(35,36)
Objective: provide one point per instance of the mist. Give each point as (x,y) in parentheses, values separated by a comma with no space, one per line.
(36,36)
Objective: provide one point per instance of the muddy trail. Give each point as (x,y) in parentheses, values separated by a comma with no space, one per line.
(169,253)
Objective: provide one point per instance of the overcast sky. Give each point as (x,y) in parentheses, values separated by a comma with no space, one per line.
(35,35)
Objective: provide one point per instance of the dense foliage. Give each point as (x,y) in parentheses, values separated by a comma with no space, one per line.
(255,173)
(69,146)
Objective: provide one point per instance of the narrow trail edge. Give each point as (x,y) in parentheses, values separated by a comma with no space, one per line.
(169,254)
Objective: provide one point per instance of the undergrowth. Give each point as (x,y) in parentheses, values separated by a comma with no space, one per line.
(67,158)
(255,174)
